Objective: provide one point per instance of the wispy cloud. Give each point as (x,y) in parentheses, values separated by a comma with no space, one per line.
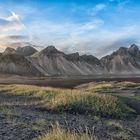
(56,32)
(89,27)
(99,7)
(14,37)
(100,42)
(11,28)
(96,9)
(6,40)
(10,23)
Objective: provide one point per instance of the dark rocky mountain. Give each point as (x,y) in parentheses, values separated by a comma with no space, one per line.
(26,50)
(123,61)
(73,56)
(133,50)
(12,63)
(84,58)
(9,51)
(50,61)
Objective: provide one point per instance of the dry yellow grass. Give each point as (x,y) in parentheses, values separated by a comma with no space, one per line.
(111,85)
(73,101)
(59,134)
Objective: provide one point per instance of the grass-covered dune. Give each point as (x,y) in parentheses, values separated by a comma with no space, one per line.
(89,112)
(127,92)
(72,101)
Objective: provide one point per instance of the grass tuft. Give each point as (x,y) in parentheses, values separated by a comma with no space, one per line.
(59,134)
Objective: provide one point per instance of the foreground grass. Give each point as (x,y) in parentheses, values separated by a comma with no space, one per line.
(120,132)
(109,87)
(59,134)
(73,101)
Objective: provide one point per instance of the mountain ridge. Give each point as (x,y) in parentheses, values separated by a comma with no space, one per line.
(50,61)
(124,60)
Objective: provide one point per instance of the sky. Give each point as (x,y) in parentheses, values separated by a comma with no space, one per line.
(95,27)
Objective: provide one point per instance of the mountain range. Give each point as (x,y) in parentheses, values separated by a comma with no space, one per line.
(26,60)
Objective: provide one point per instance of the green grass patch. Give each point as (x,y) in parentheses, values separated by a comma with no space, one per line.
(73,101)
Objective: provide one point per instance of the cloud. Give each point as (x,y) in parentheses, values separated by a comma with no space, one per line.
(91,25)
(100,42)
(57,31)
(91,29)
(11,39)
(10,23)
(97,8)
(14,37)
(89,10)
(91,36)
(12,30)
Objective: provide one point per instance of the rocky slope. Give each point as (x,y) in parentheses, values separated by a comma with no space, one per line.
(123,61)
(50,61)
(16,64)
(26,50)
(9,51)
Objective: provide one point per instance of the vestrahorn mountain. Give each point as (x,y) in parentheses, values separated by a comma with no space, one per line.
(123,61)
(50,61)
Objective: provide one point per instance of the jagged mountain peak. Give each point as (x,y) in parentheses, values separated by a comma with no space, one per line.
(49,51)
(133,49)
(90,59)
(124,60)
(134,46)
(9,50)
(26,50)
(121,51)
(51,61)
(72,56)
(51,48)
(54,62)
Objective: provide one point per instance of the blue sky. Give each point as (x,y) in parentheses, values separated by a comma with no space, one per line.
(88,26)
